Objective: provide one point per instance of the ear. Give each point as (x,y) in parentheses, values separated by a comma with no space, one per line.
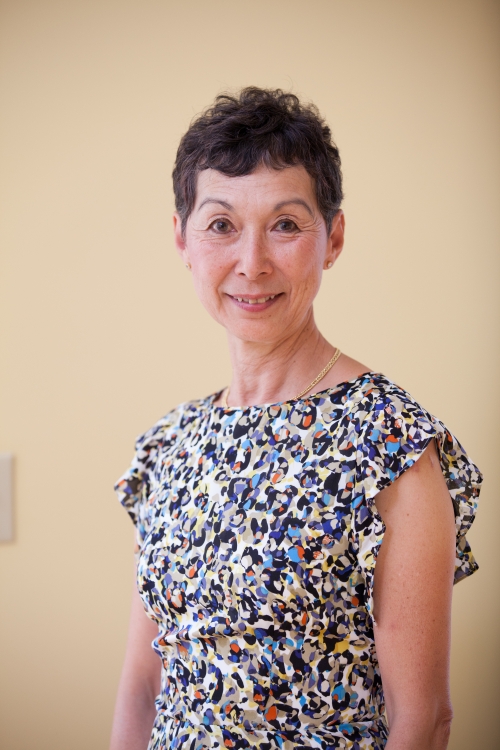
(180,242)
(336,238)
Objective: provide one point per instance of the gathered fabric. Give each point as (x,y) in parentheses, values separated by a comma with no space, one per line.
(257,540)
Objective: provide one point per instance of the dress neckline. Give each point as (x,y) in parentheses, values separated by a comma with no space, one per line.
(370,374)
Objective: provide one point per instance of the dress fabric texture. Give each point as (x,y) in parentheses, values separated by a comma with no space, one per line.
(257,538)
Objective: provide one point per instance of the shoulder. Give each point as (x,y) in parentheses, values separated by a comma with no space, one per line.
(373,399)
(164,435)
(392,427)
(170,428)
(134,487)
(377,397)
(393,431)
(386,416)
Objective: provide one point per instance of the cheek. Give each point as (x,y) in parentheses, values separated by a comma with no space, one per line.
(305,272)
(209,261)
(208,275)
(308,290)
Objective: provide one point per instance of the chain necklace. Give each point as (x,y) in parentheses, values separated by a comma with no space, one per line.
(316,380)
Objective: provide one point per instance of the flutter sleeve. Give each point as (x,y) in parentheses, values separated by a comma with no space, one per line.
(394,431)
(135,489)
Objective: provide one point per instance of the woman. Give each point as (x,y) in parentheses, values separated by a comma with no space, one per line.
(280,618)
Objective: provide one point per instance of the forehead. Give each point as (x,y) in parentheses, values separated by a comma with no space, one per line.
(262,186)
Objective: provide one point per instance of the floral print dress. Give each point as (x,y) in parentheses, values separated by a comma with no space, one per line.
(257,537)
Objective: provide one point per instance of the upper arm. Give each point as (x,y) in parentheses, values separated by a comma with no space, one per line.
(412,591)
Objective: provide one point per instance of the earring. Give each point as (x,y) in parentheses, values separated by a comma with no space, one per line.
(329,264)
(188,266)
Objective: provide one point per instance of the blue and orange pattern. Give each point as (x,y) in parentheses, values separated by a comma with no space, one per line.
(257,538)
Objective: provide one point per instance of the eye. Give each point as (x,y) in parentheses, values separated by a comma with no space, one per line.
(221,226)
(286,225)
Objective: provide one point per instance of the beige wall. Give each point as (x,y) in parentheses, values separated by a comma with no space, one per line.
(101,332)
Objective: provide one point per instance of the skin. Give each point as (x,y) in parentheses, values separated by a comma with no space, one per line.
(261,235)
(254,236)
(139,683)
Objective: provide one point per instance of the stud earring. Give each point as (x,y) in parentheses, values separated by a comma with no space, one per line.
(329,264)
(188,266)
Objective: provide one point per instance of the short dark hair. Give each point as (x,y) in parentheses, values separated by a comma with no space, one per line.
(258,126)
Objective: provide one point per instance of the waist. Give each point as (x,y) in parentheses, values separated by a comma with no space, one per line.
(367,735)
(206,695)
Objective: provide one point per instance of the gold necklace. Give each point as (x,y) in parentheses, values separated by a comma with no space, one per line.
(316,380)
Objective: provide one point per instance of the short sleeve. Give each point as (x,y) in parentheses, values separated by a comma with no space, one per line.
(135,489)
(392,435)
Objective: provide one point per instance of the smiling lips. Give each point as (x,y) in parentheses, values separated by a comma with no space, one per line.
(254,300)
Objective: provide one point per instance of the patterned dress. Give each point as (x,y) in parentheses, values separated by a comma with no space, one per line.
(257,537)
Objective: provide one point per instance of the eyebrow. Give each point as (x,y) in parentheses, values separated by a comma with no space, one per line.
(294,202)
(278,206)
(225,204)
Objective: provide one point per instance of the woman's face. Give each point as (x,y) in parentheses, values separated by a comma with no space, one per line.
(257,246)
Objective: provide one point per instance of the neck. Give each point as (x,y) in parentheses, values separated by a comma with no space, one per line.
(270,372)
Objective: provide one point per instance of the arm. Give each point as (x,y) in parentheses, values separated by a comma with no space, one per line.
(412,605)
(139,684)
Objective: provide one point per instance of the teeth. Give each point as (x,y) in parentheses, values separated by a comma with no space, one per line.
(258,301)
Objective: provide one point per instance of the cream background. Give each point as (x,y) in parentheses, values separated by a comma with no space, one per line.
(102,334)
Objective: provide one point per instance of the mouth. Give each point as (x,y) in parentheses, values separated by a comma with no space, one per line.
(253,302)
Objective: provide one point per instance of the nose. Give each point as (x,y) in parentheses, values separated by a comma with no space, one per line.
(254,257)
